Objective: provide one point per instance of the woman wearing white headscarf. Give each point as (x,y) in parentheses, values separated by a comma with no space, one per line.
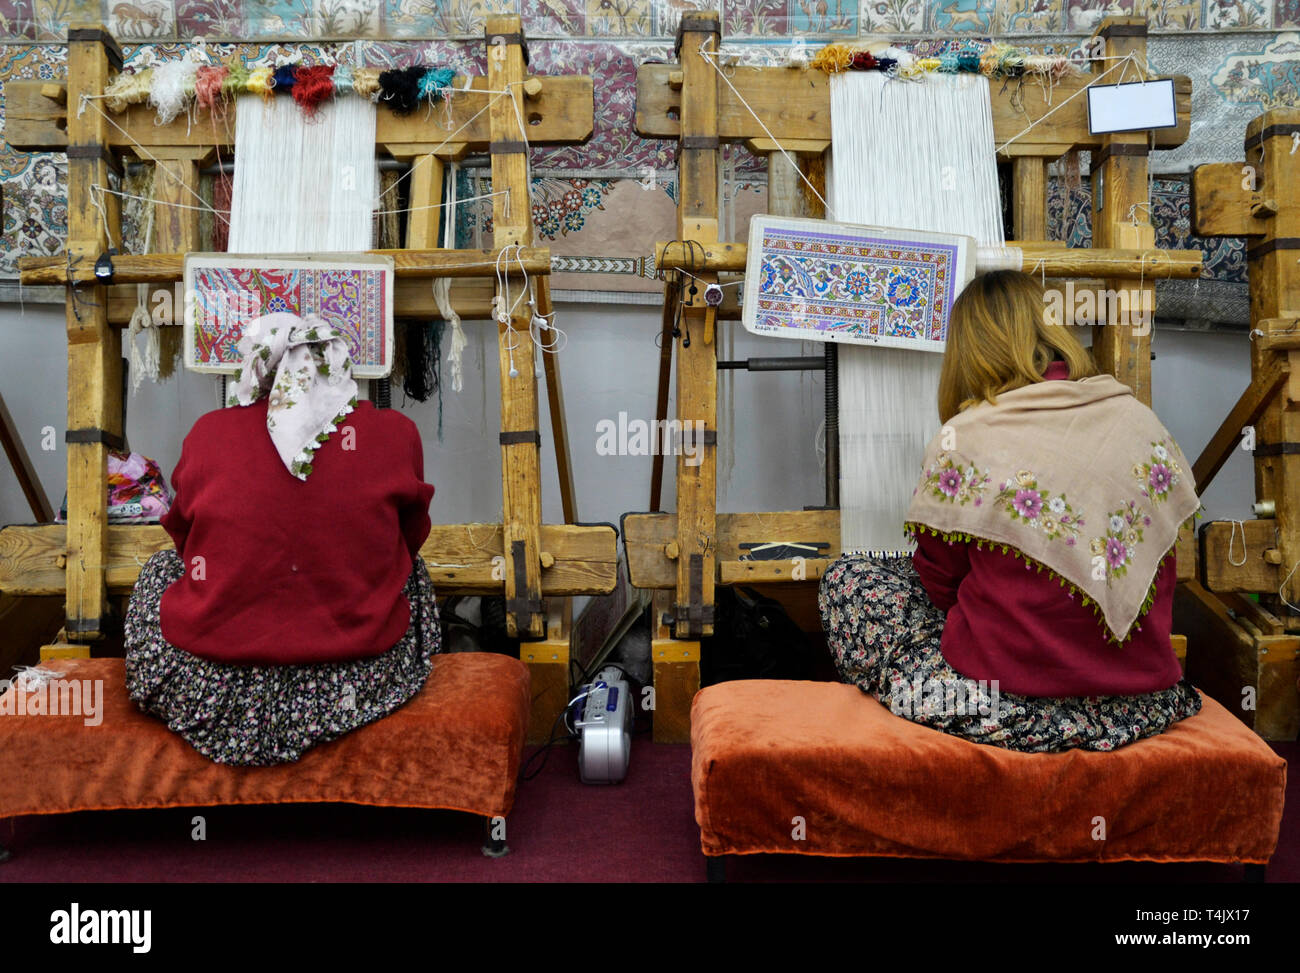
(295,606)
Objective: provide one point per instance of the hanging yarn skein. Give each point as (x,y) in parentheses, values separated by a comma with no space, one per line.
(942,124)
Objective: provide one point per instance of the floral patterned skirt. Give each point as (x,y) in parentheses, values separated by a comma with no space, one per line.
(258,715)
(883,632)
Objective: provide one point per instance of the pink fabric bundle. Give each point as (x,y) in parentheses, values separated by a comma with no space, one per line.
(137,490)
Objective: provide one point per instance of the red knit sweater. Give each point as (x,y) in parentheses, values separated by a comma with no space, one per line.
(1006,621)
(286,571)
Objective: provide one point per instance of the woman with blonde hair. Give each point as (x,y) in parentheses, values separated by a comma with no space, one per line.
(1035,613)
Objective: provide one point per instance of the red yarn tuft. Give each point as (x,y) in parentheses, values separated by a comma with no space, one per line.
(313,85)
(207,87)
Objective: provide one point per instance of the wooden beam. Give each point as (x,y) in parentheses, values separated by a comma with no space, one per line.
(1246,412)
(1223,194)
(1029,197)
(1253,674)
(559,419)
(795,105)
(424,220)
(1122,220)
(94,354)
(28,481)
(651,542)
(461,558)
(1240,557)
(168,268)
(548,670)
(561,114)
(1273,264)
(1045,258)
(471,297)
(667,342)
(520,452)
(697,365)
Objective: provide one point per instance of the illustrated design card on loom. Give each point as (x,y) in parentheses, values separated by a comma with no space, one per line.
(817,281)
(353,294)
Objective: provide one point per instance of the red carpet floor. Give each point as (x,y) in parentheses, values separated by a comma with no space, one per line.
(640,831)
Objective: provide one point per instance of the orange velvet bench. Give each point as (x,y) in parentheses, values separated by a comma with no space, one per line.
(814,768)
(457,745)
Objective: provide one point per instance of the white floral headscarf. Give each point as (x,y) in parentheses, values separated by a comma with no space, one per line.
(306,369)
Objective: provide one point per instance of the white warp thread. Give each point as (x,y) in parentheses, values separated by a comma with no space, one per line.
(303,185)
(915,154)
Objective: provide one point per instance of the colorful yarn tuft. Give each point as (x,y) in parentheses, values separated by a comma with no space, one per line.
(175,86)
(285,77)
(992,61)
(236,82)
(312,86)
(261,81)
(435,83)
(128,88)
(208,85)
(172,88)
(400,89)
(343,80)
(365,82)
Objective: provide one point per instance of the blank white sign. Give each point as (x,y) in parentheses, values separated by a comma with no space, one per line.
(1131,107)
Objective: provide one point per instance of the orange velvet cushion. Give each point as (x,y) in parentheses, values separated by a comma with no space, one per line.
(456,745)
(866,782)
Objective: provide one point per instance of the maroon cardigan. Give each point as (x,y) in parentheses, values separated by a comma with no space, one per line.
(1006,621)
(286,571)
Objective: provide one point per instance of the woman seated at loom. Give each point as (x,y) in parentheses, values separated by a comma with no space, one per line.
(1035,613)
(295,607)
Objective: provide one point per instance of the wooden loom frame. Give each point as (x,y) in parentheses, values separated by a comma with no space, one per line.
(536,565)
(693,550)
(1235,643)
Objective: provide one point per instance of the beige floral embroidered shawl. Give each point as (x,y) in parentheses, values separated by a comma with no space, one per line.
(1079,477)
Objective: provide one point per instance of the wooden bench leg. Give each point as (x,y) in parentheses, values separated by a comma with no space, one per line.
(716,868)
(1255,874)
(494,837)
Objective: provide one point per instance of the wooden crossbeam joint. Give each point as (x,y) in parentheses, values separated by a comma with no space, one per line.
(508,39)
(688,621)
(521,437)
(110,439)
(696,22)
(99,35)
(523,605)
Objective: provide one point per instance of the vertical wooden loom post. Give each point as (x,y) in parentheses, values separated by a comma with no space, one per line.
(520,439)
(1237,644)
(1274,266)
(1029,197)
(94,348)
(1122,218)
(677,662)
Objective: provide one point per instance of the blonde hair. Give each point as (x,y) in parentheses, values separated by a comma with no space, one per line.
(999,340)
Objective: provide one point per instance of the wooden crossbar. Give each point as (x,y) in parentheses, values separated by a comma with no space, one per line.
(1040,258)
(168,268)
(463,559)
